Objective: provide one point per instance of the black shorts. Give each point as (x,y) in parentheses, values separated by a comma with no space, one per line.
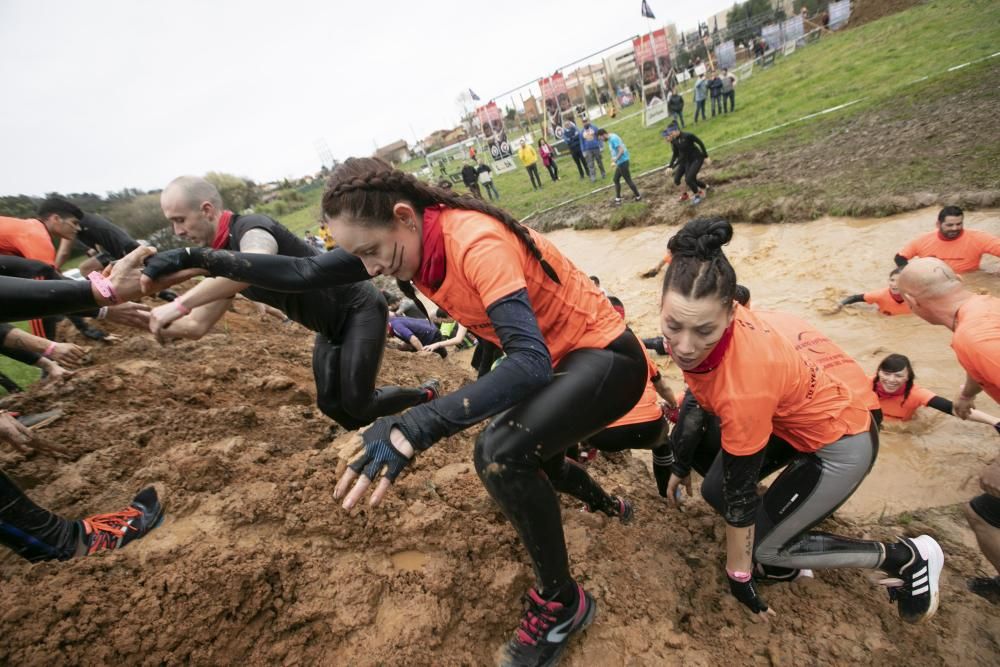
(988,508)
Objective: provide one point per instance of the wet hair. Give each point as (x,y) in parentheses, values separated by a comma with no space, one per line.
(617,304)
(896,271)
(60,207)
(950,212)
(742,295)
(699,268)
(595,280)
(367,189)
(893,364)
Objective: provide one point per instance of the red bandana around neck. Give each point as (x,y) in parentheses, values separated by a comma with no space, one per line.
(433,263)
(714,358)
(222,231)
(898,298)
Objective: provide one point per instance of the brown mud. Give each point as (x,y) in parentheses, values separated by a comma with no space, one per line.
(256,564)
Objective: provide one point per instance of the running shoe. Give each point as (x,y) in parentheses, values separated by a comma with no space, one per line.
(701,193)
(638,198)
(986,587)
(432,387)
(105,532)
(620,508)
(696,200)
(684,197)
(545,629)
(915,590)
(617,201)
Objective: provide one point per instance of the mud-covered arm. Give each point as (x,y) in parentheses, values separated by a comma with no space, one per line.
(740,475)
(269,271)
(23,299)
(687,434)
(527,368)
(854,298)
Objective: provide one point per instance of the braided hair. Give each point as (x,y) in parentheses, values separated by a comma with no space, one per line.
(367,189)
(699,268)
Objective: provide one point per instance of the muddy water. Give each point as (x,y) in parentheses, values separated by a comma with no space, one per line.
(803,269)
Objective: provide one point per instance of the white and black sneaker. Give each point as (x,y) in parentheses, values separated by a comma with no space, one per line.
(915,590)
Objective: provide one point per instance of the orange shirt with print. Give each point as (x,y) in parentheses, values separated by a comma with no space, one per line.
(898,408)
(763,386)
(976,342)
(486,261)
(26,238)
(887,305)
(962,254)
(648,407)
(815,346)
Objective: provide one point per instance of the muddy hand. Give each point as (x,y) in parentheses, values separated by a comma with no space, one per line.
(23,440)
(674,489)
(162,317)
(385,447)
(746,593)
(125,273)
(67,354)
(130,314)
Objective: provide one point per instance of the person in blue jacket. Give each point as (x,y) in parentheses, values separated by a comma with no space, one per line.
(571,135)
(590,144)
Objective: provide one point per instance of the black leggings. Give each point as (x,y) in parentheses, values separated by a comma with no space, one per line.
(32,532)
(810,488)
(553,169)
(591,389)
(345,373)
(622,171)
(689,172)
(568,477)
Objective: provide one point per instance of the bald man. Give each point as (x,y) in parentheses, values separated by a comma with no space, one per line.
(935,293)
(349,320)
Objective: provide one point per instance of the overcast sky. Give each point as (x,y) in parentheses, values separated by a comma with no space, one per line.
(99,96)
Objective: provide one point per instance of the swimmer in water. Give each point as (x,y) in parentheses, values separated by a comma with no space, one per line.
(900,397)
(888,300)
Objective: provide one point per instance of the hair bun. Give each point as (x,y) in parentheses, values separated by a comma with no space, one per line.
(701,238)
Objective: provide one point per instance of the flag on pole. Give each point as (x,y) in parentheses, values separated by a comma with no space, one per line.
(646,11)
(475,98)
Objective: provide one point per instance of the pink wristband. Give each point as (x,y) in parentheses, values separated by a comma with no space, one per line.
(49,350)
(103,285)
(742,577)
(181,307)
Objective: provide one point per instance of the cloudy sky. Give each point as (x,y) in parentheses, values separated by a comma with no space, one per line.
(104,95)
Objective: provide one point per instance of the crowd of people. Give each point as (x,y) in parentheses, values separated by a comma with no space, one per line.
(573,378)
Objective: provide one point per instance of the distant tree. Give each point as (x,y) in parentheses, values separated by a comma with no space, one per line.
(745,19)
(510,114)
(19,206)
(237,193)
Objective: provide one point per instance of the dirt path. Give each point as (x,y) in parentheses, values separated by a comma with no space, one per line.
(255,564)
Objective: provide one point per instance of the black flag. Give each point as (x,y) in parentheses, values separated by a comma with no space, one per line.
(646,11)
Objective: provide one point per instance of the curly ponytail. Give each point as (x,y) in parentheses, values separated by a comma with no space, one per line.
(368,188)
(699,268)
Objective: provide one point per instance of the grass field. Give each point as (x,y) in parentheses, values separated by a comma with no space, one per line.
(875,65)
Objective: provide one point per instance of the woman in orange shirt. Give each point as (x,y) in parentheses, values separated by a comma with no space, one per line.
(743,371)
(888,300)
(900,397)
(571,369)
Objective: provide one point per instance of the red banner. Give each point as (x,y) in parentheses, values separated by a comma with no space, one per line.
(646,49)
(490,119)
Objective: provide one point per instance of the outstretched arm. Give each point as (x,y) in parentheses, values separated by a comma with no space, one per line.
(270,271)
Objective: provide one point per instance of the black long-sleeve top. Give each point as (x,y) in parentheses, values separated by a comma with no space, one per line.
(686,149)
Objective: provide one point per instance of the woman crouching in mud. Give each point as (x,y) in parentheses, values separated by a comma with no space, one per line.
(572,367)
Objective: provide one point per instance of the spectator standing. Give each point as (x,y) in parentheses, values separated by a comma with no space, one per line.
(529,158)
(675,105)
(548,159)
(700,94)
(591,145)
(620,157)
(715,90)
(728,91)
(326,237)
(470,176)
(486,180)
(571,135)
